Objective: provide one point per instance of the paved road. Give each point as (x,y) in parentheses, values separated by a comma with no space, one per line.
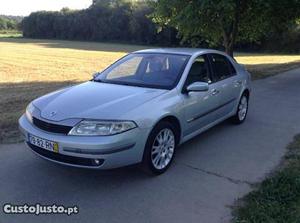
(209,174)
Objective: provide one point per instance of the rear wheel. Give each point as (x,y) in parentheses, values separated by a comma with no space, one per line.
(160,148)
(242,110)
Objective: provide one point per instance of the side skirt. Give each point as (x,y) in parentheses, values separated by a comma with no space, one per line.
(199,131)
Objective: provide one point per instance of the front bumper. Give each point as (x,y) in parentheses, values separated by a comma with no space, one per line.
(101,152)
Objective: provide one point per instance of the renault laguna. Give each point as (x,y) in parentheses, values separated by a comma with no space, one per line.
(138,110)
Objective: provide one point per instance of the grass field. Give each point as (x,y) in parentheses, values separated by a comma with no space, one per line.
(30,68)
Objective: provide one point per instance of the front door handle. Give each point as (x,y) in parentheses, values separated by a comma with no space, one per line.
(214,92)
(238,83)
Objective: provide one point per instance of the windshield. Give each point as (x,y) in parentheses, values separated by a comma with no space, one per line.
(146,70)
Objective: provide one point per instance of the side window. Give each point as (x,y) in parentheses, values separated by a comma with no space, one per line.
(222,67)
(199,71)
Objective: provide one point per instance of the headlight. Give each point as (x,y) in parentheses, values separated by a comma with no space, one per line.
(101,128)
(29,110)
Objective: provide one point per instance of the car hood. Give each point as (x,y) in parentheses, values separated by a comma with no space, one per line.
(93,100)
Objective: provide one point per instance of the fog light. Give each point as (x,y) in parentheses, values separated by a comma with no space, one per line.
(97,162)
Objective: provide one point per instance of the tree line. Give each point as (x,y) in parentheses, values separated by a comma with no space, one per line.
(122,21)
(228,24)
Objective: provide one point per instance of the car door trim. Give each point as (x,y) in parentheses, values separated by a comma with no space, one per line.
(210,111)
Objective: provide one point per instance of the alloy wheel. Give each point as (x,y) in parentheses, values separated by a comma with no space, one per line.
(243,107)
(163,148)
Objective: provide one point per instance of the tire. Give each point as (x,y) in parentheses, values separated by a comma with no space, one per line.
(158,156)
(242,110)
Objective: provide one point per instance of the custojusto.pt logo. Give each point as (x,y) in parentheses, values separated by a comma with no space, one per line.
(38,209)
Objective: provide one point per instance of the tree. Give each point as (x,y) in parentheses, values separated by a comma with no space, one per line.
(224,21)
(3,24)
(7,22)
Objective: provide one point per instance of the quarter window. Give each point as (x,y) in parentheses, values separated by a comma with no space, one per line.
(222,67)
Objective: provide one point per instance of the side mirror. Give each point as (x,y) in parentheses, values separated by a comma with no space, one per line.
(197,86)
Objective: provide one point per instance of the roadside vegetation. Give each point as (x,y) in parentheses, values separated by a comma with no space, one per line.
(30,68)
(277,199)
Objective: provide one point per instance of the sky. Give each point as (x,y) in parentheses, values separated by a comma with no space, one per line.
(25,7)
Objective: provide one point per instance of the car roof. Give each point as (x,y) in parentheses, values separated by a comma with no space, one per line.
(183,51)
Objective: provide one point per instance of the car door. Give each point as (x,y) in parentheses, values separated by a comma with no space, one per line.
(200,107)
(228,84)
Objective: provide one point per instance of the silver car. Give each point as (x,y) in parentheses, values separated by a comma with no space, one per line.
(138,110)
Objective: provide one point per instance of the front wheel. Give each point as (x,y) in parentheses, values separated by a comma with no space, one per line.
(242,110)
(160,148)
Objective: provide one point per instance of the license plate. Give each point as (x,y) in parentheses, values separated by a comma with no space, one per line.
(43,143)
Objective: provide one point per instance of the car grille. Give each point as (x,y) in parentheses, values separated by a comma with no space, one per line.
(49,127)
(66,159)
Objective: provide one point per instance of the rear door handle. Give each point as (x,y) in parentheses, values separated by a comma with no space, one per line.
(214,92)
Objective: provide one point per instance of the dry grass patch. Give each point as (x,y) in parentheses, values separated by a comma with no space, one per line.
(25,60)
(265,65)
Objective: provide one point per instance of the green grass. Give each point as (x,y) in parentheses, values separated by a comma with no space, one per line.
(10,34)
(277,199)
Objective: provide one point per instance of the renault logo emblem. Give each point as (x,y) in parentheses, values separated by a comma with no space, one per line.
(53,113)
